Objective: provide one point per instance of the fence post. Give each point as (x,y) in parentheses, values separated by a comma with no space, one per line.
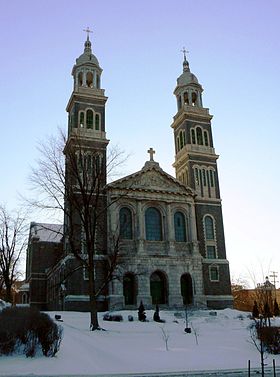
(249,368)
(274,370)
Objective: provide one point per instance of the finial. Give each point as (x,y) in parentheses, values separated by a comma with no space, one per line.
(186,67)
(184,51)
(87,30)
(151,152)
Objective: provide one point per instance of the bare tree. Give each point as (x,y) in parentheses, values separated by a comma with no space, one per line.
(165,336)
(70,177)
(12,244)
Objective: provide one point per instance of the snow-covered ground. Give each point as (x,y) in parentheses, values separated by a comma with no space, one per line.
(223,343)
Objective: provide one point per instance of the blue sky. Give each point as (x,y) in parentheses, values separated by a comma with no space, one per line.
(234,52)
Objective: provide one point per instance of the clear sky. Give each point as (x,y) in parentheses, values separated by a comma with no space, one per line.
(234,52)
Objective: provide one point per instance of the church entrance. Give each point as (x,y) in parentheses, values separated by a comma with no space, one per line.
(129,289)
(187,289)
(158,288)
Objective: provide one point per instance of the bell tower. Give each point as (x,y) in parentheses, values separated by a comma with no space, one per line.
(86,108)
(196,166)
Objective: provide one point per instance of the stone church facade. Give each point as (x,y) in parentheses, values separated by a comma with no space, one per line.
(170,229)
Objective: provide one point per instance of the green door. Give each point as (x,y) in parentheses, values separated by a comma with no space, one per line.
(129,289)
(158,288)
(187,289)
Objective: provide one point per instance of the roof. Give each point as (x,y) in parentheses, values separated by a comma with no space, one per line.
(46,232)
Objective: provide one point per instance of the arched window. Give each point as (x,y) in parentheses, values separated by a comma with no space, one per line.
(153,224)
(82,119)
(199,136)
(88,163)
(193,136)
(89,119)
(80,78)
(206,142)
(98,164)
(194,98)
(214,273)
(89,79)
(210,237)
(211,178)
(180,227)
(97,81)
(209,228)
(204,177)
(125,223)
(181,139)
(97,126)
(186,98)
(196,172)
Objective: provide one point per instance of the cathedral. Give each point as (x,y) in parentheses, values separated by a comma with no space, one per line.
(170,229)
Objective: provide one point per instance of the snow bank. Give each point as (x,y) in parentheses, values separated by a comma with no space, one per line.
(129,347)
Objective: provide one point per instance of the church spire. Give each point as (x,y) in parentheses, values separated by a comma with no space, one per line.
(87,49)
(186,67)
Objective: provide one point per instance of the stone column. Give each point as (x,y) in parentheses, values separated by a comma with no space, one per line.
(198,99)
(84,79)
(175,299)
(170,229)
(190,97)
(116,298)
(144,290)
(193,231)
(139,227)
(199,297)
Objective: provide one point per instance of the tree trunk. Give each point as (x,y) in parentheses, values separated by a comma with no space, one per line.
(94,325)
(8,293)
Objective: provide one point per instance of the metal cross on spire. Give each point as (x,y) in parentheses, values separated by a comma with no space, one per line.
(151,152)
(184,51)
(87,30)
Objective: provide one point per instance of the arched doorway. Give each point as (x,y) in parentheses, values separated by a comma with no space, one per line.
(158,288)
(129,289)
(187,289)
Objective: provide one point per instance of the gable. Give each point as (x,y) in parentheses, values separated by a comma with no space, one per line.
(152,178)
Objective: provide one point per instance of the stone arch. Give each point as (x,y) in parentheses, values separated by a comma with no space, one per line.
(158,287)
(24,298)
(129,289)
(187,288)
(89,79)
(80,78)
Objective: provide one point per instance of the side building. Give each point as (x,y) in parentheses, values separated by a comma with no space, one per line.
(45,249)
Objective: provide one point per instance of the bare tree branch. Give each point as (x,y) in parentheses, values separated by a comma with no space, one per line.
(12,245)
(70,178)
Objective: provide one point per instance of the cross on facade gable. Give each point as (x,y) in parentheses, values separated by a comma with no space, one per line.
(151,152)
(87,30)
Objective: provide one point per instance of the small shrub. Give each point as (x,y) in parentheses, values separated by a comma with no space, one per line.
(255,310)
(276,310)
(157,316)
(113,317)
(141,312)
(7,342)
(28,328)
(270,336)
